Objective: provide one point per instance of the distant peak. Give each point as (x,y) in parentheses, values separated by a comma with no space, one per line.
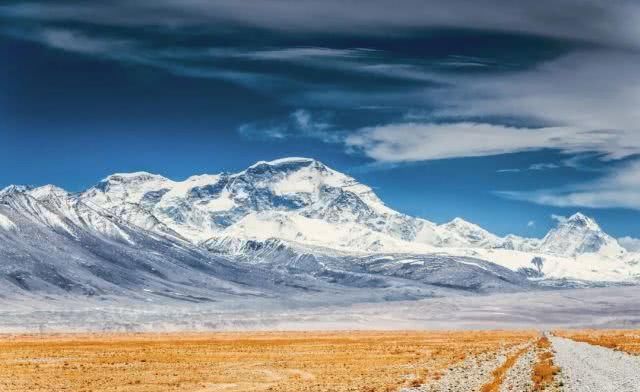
(133,177)
(457,221)
(47,190)
(285,165)
(11,189)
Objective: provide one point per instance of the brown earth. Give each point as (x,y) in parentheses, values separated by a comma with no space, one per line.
(247,361)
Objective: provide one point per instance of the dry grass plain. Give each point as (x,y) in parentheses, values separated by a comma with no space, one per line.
(247,361)
(623,340)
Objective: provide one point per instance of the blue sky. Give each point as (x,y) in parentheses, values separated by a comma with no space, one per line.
(502,112)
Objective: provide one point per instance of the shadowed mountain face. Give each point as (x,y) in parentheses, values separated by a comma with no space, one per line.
(63,247)
(290,230)
(57,246)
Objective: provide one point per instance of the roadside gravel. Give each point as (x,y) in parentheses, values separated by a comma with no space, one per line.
(518,377)
(588,368)
(468,375)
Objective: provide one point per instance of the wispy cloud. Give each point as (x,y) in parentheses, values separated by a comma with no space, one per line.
(408,142)
(619,188)
(533,167)
(543,166)
(301,123)
(584,102)
(138,52)
(77,42)
(307,53)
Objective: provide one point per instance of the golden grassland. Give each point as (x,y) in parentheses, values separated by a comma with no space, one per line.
(622,340)
(242,361)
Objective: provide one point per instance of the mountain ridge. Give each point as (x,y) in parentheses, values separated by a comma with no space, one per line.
(312,209)
(136,196)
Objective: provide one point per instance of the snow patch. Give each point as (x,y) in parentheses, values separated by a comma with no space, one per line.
(6,223)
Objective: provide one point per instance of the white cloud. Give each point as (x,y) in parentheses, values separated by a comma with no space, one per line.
(595,93)
(629,243)
(558,218)
(407,142)
(531,223)
(588,101)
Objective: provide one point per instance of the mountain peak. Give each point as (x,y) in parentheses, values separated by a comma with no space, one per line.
(581,220)
(457,221)
(118,180)
(133,177)
(579,234)
(285,164)
(459,232)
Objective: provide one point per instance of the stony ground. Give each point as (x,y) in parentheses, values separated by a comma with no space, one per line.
(468,375)
(518,377)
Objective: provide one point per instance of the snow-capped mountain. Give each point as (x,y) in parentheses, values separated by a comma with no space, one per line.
(269,199)
(301,216)
(53,245)
(579,234)
(302,200)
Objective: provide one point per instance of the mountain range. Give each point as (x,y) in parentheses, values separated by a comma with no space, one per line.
(287,228)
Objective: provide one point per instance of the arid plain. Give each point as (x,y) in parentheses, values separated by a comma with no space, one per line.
(367,361)
(265,361)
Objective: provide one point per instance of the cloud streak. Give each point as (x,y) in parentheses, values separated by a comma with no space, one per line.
(299,124)
(613,23)
(410,142)
(619,188)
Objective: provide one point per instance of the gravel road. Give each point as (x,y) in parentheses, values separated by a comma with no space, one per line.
(588,368)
